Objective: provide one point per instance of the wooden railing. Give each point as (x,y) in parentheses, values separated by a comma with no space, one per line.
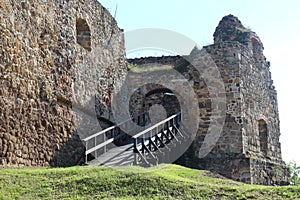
(97,143)
(146,144)
(157,136)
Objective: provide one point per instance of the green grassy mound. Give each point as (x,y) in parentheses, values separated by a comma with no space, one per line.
(162,182)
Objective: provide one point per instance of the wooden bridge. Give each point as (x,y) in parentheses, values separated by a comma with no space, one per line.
(156,144)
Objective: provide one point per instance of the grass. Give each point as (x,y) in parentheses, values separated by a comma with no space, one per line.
(150,68)
(162,182)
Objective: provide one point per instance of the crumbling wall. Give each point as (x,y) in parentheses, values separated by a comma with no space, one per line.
(252,122)
(248,148)
(147,95)
(44,45)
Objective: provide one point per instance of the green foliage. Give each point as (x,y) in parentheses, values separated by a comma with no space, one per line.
(131,182)
(295,172)
(134,68)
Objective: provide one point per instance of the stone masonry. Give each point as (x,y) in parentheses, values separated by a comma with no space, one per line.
(43,45)
(51,50)
(248,149)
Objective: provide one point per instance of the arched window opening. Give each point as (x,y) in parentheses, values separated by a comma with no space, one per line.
(83,34)
(256,47)
(263,136)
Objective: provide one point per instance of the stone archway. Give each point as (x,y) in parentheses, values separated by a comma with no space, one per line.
(150,95)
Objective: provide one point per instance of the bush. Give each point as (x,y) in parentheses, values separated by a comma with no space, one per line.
(295,172)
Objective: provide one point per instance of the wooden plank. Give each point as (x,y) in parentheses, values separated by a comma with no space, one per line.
(111,140)
(157,148)
(99,133)
(143,158)
(174,136)
(99,146)
(109,128)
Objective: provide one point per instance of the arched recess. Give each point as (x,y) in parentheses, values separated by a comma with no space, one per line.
(83,34)
(164,97)
(153,94)
(263,135)
(257,47)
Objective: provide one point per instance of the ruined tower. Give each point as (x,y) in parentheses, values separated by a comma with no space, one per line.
(248,149)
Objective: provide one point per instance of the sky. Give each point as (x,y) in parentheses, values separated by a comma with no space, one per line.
(276,22)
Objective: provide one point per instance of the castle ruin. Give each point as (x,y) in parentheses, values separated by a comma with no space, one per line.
(43,45)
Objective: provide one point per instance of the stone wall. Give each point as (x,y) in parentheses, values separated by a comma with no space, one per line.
(56,57)
(248,148)
(155,94)
(46,54)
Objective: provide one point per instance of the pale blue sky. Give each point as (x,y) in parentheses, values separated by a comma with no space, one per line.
(276,23)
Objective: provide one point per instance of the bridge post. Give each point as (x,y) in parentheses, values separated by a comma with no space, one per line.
(143,145)
(104,140)
(95,144)
(86,156)
(135,150)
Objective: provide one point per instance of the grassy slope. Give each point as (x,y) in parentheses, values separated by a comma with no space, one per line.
(163,182)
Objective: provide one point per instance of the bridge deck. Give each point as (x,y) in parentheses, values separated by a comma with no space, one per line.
(118,156)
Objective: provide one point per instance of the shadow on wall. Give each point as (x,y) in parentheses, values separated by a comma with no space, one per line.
(71,153)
